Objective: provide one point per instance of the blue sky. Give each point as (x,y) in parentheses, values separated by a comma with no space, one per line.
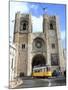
(36,9)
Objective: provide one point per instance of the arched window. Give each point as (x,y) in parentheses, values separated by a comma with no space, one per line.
(51,25)
(23,46)
(24,26)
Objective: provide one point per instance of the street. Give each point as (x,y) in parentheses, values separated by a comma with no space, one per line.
(47,82)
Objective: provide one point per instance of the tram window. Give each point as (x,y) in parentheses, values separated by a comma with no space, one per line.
(47,68)
(44,69)
(35,71)
(40,70)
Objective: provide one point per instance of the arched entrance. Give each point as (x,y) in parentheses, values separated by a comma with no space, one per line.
(38,60)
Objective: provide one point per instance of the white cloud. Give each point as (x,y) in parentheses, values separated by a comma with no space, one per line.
(22,7)
(18,6)
(63,38)
(35,7)
(63,35)
(37,23)
(15,7)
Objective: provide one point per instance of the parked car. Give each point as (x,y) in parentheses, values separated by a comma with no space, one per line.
(56,73)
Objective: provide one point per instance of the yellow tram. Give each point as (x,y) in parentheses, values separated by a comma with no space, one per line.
(42,71)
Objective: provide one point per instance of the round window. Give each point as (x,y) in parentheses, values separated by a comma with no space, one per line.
(38,44)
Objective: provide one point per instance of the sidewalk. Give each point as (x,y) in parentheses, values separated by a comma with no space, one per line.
(15,83)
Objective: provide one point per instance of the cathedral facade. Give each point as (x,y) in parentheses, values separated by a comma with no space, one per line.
(37,48)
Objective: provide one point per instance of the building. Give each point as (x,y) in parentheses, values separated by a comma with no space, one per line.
(12,50)
(64,53)
(40,48)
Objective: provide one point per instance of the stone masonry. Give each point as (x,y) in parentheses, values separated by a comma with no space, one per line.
(31,46)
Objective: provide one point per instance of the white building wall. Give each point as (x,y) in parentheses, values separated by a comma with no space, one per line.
(12,62)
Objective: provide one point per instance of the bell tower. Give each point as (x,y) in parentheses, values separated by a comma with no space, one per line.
(22,28)
(53,42)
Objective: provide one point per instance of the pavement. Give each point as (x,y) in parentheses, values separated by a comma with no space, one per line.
(29,82)
(16,82)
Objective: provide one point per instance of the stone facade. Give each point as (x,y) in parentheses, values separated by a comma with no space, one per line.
(40,48)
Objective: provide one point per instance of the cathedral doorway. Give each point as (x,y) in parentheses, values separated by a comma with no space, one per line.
(38,60)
